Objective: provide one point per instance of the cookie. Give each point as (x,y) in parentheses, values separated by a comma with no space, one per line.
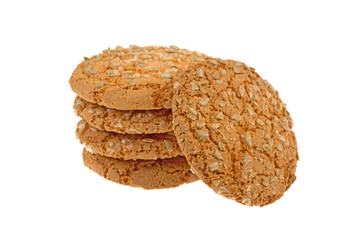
(134,78)
(127,146)
(235,131)
(150,174)
(130,122)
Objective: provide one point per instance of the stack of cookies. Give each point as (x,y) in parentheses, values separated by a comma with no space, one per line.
(150,114)
(124,100)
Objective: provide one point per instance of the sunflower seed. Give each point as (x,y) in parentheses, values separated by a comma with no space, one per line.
(193,111)
(101,84)
(166,75)
(110,150)
(133,131)
(170,64)
(112,73)
(266,147)
(221,104)
(118,125)
(265,182)
(91,111)
(213,166)
(89,149)
(93,129)
(213,62)
(176,84)
(204,101)
(268,165)
(202,90)
(215,76)
(194,86)
(272,89)
(174,47)
(248,140)
(136,75)
(170,50)
(98,58)
(116,62)
(236,117)
(280,137)
(200,73)
(203,134)
(218,155)
(272,179)
(81,126)
(168,146)
(237,70)
(260,122)
(220,116)
(247,159)
(200,124)
(88,68)
(93,71)
(224,96)
(202,83)
(185,127)
(242,91)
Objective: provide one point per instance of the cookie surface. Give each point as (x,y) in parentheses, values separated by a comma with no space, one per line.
(130,122)
(134,78)
(128,146)
(235,132)
(165,173)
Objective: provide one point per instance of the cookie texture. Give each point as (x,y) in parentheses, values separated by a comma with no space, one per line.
(165,173)
(235,131)
(134,78)
(127,146)
(130,122)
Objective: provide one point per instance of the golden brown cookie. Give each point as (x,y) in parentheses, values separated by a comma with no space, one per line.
(127,146)
(150,174)
(134,78)
(235,131)
(130,122)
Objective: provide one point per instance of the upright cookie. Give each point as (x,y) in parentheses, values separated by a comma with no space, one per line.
(127,146)
(130,122)
(235,131)
(165,173)
(134,78)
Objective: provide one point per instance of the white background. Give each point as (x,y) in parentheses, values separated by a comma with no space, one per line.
(308,50)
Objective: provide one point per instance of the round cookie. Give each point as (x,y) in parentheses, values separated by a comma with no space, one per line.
(134,78)
(165,173)
(235,131)
(127,146)
(130,122)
